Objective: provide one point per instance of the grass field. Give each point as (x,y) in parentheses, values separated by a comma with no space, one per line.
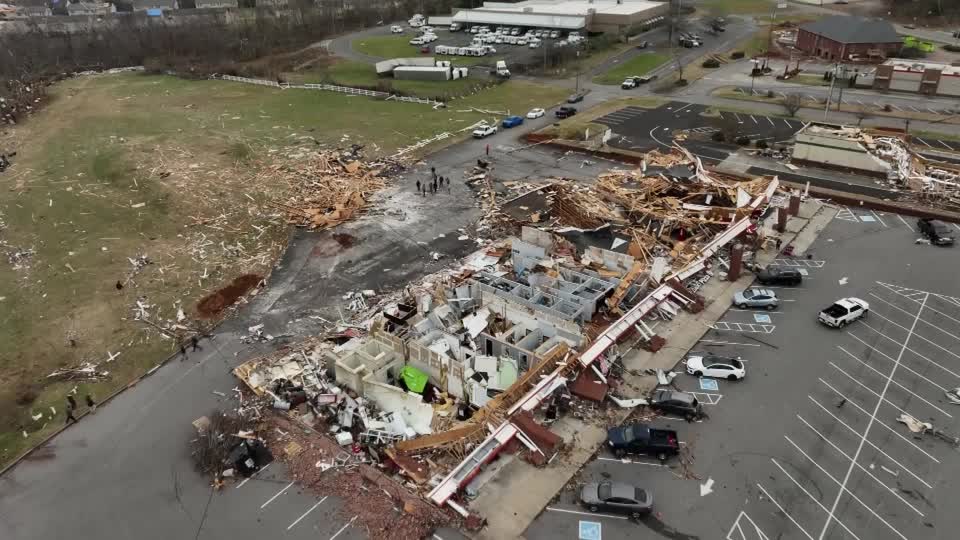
(737,6)
(638,65)
(117,166)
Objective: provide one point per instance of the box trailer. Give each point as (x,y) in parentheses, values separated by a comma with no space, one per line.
(417,73)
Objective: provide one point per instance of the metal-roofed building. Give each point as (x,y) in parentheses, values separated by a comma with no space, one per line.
(589,15)
(840,37)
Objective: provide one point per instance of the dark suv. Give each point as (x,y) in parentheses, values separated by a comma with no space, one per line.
(683,404)
(774,275)
(936,231)
(566,112)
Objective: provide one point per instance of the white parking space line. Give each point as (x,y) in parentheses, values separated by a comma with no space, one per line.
(752,310)
(843,489)
(812,498)
(808,263)
(592,514)
(915,353)
(757,531)
(789,125)
(631,462)
(754,120)
(882,397)
(771,121)
(902,387)
(344,527)
(737,116)
(924,321)
(892,106)
(877,217)
(875,447)
(784,511)
(934,111)
(890,429)
(247,479)
(924,142)
(730,343)
(949,299)
(914,108)
(684,107)
(721,114)
(904,366)
(944,349)
(866,432)
(279,493)
(859,466)
(955,226)
(312,508)
(724,326)
(905,223)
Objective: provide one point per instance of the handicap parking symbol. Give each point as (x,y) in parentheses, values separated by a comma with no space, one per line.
(760,318)
(709,384)
(589,530)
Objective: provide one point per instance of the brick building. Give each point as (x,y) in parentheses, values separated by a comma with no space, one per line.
(848,38)
(928,78)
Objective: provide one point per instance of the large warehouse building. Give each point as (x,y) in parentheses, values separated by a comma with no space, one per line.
(615,16)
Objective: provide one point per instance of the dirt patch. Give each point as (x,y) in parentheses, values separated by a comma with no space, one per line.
(345,240)
(213,304)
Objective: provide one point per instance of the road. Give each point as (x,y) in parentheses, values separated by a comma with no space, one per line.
(808,445)
(125,471)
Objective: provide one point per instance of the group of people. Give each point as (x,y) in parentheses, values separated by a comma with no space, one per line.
(434,184)
(72,406)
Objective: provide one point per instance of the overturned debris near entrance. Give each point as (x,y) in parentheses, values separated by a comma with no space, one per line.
(430,383)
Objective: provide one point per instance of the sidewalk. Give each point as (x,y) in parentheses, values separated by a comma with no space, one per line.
(518,492)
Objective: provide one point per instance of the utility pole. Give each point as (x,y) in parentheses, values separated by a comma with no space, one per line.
(826,108)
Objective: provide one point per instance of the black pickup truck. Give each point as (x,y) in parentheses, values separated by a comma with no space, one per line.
(643,439)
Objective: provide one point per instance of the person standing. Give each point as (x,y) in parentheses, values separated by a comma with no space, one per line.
(71,403)
(195,342)
(70,406)
(90,402)
(418,184)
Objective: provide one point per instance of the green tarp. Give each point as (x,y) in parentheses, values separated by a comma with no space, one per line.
(415,379)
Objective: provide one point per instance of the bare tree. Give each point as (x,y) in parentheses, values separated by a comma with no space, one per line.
(792,103)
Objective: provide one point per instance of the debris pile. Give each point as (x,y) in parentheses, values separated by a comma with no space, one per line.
(328,187)
(933,181)
(86,371)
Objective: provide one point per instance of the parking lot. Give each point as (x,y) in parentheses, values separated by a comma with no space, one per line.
(854,99)
(809,445)
(642,130)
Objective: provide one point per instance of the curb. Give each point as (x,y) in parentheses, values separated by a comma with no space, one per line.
(26,453)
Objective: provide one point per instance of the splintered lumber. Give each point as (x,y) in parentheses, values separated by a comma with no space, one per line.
(438,440)
(614,301)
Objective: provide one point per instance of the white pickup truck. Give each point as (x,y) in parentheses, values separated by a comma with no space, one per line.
(484,131)
(844,312)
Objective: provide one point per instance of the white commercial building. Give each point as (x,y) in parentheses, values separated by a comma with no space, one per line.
(591,15)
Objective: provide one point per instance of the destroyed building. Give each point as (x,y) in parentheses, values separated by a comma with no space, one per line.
(438,378)
(884,155)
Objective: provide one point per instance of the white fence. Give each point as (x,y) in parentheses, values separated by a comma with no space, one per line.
(333,88)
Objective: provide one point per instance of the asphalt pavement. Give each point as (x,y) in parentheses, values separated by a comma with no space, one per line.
(125,472)
(808,445)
